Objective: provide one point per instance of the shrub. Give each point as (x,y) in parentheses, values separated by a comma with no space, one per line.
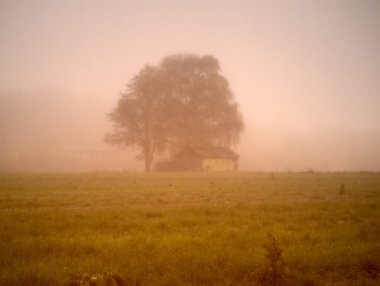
(342,189)
(273,272)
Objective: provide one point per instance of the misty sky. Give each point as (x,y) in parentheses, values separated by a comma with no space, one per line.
(306,73)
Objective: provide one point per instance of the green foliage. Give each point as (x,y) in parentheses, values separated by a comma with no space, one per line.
(189,228)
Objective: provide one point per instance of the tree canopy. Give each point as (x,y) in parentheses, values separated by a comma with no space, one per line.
(184,101)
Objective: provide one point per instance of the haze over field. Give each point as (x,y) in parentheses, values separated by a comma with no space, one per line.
(305,73)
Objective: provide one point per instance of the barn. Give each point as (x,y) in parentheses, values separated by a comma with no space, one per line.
(207,159)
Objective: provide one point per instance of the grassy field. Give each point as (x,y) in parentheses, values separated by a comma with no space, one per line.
(190,229)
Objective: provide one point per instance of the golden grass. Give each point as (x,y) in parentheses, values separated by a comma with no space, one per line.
(189,229)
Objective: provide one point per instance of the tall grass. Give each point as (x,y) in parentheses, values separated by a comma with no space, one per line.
(189,229)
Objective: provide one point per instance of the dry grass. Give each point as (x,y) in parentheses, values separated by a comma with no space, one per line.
(189,229)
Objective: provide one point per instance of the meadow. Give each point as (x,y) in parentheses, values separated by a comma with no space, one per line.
(190,228)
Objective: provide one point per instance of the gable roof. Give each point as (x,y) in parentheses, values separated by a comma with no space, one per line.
(210,152)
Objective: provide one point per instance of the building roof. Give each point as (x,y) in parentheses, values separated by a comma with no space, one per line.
(210,152)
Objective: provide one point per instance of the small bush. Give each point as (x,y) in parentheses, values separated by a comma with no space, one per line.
(273,272)
(342,189)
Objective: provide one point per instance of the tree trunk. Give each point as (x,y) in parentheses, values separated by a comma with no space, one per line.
(148,162)
(147,146)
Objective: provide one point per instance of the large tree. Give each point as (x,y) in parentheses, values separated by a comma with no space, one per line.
(184,101)
(199,100)
(137,117)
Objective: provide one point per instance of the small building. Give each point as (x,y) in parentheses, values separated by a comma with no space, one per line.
(207,159)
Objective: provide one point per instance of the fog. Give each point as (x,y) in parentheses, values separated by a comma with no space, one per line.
(305,73)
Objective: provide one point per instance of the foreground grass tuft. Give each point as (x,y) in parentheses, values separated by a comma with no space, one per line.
(273,271)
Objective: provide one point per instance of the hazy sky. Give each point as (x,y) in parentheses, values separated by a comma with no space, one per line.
(306,73)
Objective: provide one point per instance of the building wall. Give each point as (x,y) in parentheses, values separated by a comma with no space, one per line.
(210,164)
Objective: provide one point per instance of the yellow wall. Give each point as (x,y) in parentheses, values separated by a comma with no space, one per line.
(218,164)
